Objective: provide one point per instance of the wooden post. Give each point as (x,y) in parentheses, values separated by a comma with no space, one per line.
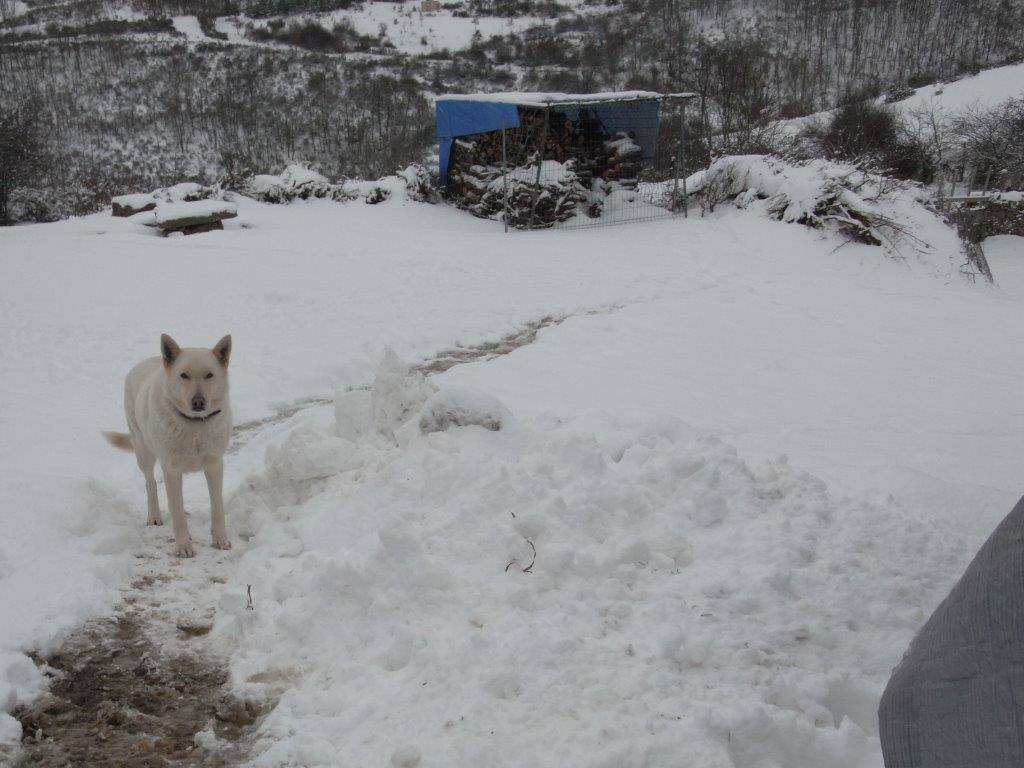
(540,165)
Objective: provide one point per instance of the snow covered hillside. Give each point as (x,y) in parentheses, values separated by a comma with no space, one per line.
(985,89)
(735,470)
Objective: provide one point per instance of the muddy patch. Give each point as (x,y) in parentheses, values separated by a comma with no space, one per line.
(117,700)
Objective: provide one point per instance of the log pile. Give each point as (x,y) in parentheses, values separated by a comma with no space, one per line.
(583,163)
(557,197)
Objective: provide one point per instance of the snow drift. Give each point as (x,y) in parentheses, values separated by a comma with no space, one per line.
(587,592)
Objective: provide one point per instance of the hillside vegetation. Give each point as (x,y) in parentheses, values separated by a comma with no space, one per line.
(137,94)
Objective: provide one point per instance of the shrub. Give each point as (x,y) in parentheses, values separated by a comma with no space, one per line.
(909,158)
(861,129)
(21,149)
(898,92)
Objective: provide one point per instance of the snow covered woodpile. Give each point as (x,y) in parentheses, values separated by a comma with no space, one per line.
(822,194)
(552,155)
(998,214)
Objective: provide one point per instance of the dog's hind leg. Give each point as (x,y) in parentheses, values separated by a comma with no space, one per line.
(147,462)
(172,484)
(215,482)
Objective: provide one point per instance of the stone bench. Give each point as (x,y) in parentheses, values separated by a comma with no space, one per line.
(191,218)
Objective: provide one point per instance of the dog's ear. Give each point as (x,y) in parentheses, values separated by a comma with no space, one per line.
(222,349)
(169,349)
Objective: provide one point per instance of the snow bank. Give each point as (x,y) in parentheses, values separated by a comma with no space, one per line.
(587,592)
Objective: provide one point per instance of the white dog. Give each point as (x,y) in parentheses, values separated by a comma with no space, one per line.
(179,414)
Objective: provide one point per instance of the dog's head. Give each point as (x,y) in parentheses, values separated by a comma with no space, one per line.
(195,378)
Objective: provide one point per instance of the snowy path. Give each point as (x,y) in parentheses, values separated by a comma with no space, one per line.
(147,679)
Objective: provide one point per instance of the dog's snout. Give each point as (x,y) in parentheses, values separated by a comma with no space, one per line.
(198,403)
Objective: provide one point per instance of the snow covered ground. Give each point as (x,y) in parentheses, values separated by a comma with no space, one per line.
(691,589)
(406,27)
(985,89)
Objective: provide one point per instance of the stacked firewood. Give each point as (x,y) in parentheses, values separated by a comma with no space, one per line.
(589,164)
(528,204)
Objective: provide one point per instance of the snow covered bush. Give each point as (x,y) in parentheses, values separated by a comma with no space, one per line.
(296,182)
(186,192)
(377,194)
(818,194)
(419,185)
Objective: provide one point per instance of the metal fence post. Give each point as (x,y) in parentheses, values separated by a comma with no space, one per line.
(682,154)
(504,176)
(675,177)
(540,164)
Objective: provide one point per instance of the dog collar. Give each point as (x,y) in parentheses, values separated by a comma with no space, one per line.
(207,417)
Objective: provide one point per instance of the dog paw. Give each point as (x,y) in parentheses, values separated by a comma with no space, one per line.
(184,549)
(154,520)
(221,542)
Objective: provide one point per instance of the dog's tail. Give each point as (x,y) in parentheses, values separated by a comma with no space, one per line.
(120,440)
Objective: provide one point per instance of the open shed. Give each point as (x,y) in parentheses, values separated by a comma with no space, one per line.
(539,159)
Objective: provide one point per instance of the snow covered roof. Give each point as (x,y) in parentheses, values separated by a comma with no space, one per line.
(536,99)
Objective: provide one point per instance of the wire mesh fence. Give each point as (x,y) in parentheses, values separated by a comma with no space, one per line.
(576,164)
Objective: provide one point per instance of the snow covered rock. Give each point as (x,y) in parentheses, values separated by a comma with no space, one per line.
(462,407)
(129,205)
(180,215)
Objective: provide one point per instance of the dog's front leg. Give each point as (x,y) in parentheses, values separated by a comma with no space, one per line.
(214,470)
(172,484)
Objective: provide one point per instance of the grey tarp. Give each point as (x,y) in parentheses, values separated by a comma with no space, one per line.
(956,700)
